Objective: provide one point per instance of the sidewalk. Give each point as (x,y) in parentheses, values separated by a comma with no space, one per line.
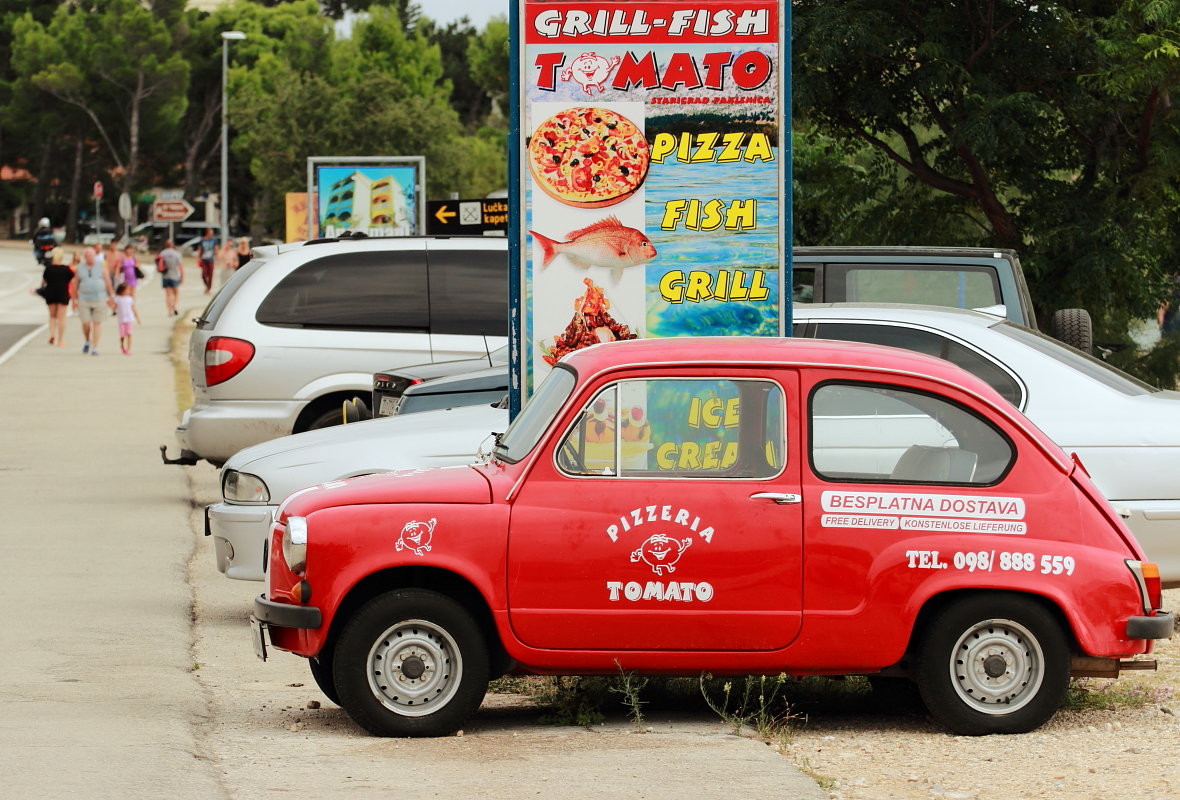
(96,669)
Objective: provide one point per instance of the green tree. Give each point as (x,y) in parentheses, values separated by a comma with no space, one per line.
(1047,128)
(113,60)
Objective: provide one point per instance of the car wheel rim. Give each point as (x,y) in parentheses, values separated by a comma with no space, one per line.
(997,667)
(414,668)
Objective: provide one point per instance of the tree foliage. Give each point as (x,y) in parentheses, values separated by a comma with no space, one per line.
(1048,128)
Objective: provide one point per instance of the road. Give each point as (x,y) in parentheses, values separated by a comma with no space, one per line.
(126,671)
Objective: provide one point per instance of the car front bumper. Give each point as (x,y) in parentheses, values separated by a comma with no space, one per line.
(240,535)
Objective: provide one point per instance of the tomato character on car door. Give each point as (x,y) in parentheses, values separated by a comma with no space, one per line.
(686,537)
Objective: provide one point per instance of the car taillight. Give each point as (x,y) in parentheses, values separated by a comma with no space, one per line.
(1147,575)
(225,358)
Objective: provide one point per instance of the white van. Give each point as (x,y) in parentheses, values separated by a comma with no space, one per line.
(303,327)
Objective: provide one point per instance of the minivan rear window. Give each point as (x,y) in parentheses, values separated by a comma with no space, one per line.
(212,312)
(374,290)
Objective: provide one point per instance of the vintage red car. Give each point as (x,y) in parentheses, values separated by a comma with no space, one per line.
(737,506)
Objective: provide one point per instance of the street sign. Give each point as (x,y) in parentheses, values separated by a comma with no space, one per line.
(97,190)
(125,205)
(466,217)
(171,210)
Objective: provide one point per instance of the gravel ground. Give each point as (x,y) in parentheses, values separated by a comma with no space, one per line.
(1130,749)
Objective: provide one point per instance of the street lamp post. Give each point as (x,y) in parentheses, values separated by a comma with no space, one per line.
(226,37)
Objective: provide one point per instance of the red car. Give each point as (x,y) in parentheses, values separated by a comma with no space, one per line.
(725,505)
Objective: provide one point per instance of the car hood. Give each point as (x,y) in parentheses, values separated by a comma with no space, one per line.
(444,485)
(432,438)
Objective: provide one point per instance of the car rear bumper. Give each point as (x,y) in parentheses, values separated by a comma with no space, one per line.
(1161,626)
(218,430)
(239,536)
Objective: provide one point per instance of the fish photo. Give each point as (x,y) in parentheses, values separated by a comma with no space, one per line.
(607,243)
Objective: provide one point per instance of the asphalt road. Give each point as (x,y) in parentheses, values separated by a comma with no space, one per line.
(126,669)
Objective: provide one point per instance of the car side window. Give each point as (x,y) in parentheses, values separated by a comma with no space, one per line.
(469,292)
(679,428)
(874,433)
(936,285)
(929,343)
(371,290)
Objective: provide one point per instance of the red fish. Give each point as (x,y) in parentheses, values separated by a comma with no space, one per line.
(607,243)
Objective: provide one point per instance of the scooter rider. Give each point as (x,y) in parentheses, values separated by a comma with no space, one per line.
(43,242)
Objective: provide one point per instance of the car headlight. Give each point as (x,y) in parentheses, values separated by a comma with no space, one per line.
(295,543)
(242,487)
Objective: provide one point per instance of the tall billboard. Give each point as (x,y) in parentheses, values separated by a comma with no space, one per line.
(650,158)
(376,196)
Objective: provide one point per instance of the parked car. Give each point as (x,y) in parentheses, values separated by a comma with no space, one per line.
(1126,433)
(389,385)
(688,505)
(958,277)
(1131,455)
(255,480)
(301,328)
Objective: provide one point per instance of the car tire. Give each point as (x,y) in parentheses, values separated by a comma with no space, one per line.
(321,672)
(329,418)
(441,664)
(993,664)
(1074,327)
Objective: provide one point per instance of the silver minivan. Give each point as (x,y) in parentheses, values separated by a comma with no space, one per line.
(302,327)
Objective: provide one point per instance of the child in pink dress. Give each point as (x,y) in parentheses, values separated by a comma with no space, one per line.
(128,316)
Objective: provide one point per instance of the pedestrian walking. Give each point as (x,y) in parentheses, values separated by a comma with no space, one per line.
(55,289)
(227,260)
(171,276)
(128,316)
(92,293)
(206,256)
(129,271)
(244,251)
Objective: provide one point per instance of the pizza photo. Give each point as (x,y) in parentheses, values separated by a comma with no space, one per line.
(588,157)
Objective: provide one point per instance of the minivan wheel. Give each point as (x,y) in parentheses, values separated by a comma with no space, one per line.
(1074,327)
(411,662)
(993,664)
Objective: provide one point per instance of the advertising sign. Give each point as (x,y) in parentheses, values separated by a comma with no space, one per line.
(296,212)
(376,196)
(476,217)
(651,164)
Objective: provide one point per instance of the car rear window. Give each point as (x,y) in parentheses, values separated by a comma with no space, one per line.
(1086,364)
(212,312)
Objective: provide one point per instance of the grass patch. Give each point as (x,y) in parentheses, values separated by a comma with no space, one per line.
(1109,694)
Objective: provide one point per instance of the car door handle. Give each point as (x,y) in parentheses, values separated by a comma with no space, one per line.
(778,497)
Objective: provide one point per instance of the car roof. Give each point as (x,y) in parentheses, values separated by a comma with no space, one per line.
(937,316)
(772,351)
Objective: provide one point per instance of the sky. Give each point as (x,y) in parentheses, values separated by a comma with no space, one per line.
(478,11)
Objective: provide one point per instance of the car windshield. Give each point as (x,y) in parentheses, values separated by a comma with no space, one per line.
(1086,364)
(525,431)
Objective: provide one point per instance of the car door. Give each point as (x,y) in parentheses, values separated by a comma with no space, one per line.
(665,515)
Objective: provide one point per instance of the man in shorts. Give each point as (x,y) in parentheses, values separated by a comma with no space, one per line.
(206,256)
(93,297)
(171,276)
